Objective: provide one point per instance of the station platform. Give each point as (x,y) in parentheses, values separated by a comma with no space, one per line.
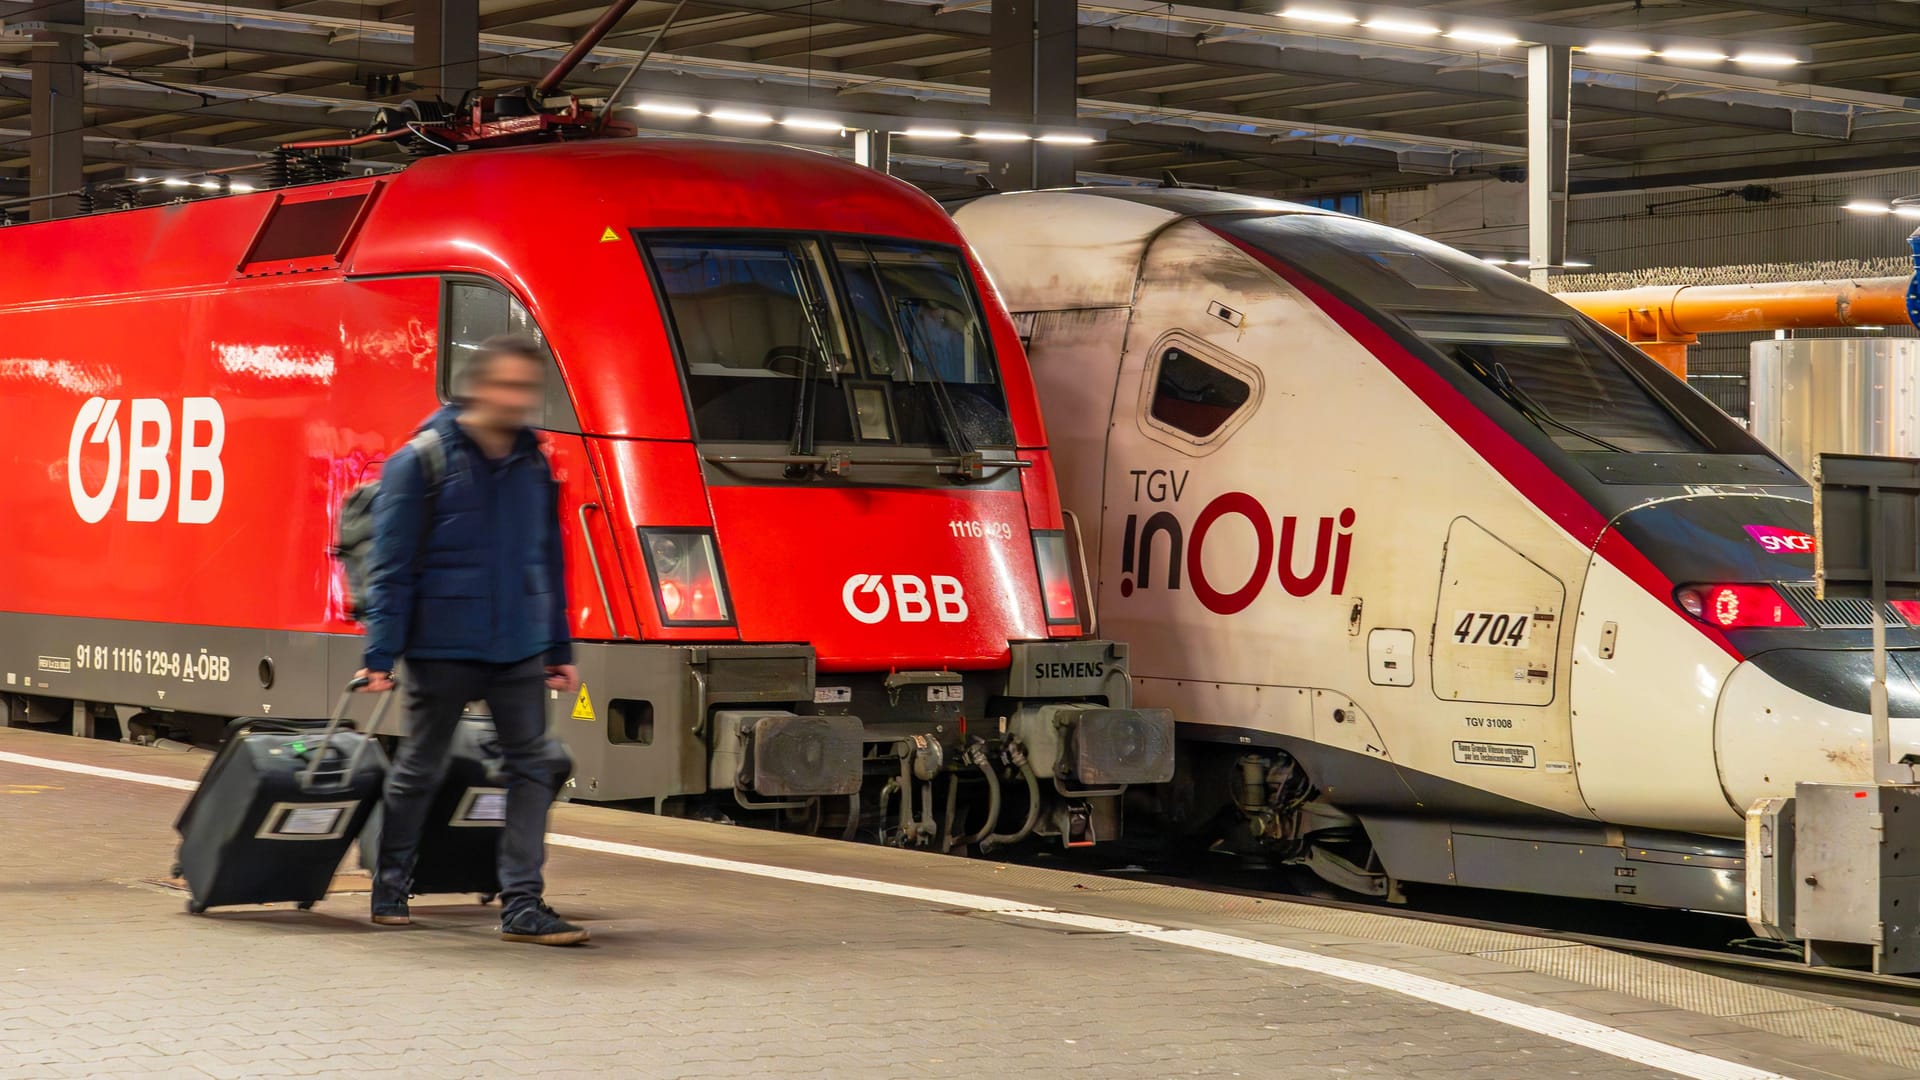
(721,951)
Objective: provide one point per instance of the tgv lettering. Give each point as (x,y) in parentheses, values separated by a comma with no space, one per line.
(869,600)
(1279,558)
(149,473)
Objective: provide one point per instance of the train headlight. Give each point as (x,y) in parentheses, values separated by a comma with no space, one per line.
(1056,577)
(1737,607)
(689,587)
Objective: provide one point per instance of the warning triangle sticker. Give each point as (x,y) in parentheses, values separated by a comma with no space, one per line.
(583,706)
(609,237)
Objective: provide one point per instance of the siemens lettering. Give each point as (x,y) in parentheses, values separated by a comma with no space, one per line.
(1070,669)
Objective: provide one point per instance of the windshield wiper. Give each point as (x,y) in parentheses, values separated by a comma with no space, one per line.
(1537,412)
(915,340)
(813,306)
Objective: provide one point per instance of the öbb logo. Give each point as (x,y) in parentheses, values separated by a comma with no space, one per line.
(1274,556)
(146,450)
(869,598)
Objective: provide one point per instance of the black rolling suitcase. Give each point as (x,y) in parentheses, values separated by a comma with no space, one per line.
(275,812)
(460,842)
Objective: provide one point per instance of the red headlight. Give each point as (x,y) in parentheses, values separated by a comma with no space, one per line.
(688,584)
(1056,577)
(1737,607)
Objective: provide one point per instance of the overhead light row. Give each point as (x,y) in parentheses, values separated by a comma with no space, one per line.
(1871,206)
(747,117)
(1501,260)
(1485,35)
(238,187)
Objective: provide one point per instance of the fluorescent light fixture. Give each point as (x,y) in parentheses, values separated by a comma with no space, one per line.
(1068,140)
(666,108)
(1631,52)
(209,185)
(1907,211)
(1702,55)
(1869,328)
(1493,260)
(1320,15)
(1760,59)
(931,133)
(1401,26)
(1867,206)
(174,181)
(812,123)
(1002,136)
(1483,37)
(1577,264)
(240,187)
(739,116)
(143,179)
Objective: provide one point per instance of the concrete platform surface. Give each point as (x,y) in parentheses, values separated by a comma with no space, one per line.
(722,951)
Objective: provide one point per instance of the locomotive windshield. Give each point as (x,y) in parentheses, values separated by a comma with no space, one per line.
(804,340)
(1584,388)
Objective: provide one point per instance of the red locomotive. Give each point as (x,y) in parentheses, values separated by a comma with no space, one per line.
(815,543)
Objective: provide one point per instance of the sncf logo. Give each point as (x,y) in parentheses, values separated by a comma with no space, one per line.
(1302,555)
(145,456)
(1781,541)
(870,598)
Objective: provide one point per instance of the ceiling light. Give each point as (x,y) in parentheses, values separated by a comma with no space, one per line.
(1702,55)
(931,133)
(240,187)
(1907,211)
(1577,264)
(1002,136)
(1758,59)
(739,116)
(143,179)
(209,185)
(1867,206)
(1318,15)
(1493,260)
(666,108)
(812,123)
(1400,26)
(1068,140)
(1629,51)
(1483,37)
(174,181)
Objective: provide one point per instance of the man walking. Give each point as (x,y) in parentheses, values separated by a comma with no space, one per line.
(466,581)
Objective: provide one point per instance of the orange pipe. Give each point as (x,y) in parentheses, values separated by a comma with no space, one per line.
(1662,320)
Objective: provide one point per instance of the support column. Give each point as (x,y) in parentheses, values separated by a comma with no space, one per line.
(446,47)
(1549,101)
(874,149)
(56,116)
(1033,81)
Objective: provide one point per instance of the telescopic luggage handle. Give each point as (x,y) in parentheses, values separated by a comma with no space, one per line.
(341,776)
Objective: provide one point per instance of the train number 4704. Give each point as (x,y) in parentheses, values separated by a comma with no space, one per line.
(1502,629)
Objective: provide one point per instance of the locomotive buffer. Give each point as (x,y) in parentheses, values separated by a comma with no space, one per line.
(1838,865)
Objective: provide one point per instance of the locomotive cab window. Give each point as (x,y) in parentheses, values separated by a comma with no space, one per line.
(1197,397)
(473,311)
(804,340)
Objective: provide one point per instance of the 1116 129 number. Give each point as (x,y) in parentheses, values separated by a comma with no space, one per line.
(1501,629)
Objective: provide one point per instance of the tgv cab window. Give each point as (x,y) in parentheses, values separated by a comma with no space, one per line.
(859,341)
(1194,396)
(1561,378)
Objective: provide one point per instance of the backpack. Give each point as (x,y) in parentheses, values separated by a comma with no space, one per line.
(353,538)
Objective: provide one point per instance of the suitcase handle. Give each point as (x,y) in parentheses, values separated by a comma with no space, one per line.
(341,776)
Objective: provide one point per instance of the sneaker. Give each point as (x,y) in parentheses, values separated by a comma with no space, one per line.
(538,925)
(392,915)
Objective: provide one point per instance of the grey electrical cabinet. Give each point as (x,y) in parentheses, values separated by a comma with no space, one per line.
(1857,864)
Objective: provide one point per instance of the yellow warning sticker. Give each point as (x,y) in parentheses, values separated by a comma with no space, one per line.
(608,237)
(583,706)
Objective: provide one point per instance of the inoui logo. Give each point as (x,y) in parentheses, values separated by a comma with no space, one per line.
(869,599)
(149,474)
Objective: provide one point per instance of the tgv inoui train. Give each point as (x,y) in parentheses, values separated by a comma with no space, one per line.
(1444,582)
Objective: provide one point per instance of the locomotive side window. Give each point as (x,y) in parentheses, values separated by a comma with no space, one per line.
(474,311)
(1195,396)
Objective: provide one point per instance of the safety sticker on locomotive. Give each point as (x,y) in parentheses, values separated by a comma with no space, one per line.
(1507,755)
(1501,629)
(583,705)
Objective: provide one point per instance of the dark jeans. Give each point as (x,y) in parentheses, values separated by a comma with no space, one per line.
(437,693)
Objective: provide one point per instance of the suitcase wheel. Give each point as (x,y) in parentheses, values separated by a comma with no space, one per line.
(488,898)
(195,907)
(304,905)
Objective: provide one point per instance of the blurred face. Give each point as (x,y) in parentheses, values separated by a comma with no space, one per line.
(506,394)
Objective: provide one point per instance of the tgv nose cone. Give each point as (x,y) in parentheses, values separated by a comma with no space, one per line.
(1791,715)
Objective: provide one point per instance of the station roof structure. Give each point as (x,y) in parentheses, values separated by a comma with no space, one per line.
(1270,97)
